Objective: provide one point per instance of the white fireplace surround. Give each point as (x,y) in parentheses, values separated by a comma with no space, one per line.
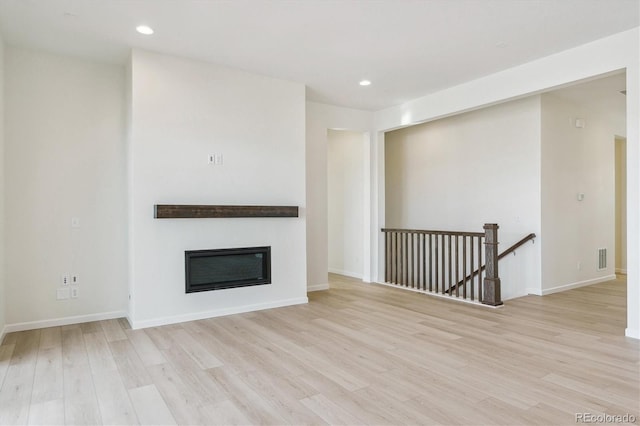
(180,112)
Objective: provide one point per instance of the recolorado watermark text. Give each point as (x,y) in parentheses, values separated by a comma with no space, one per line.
(605,418)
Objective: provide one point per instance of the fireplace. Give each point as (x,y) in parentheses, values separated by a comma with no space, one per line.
(227,268)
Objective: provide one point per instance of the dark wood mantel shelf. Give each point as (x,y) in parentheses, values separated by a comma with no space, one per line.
(186,211)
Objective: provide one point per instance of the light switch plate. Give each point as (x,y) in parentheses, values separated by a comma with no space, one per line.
(62,293)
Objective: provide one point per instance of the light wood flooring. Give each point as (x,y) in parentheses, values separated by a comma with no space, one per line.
(356,354)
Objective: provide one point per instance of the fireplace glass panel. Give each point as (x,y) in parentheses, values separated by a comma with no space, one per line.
(227,268)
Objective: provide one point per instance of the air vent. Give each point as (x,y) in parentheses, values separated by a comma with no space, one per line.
(602,259)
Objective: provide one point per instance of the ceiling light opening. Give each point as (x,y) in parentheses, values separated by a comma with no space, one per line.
(144,29)
(365,83)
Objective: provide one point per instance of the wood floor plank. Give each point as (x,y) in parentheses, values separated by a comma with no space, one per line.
(159,336)
(113,330)
(194,349)
(182,401)
(6,351)
(51,338)
(80,401)
(113,400)
(284,395)
(356,354)
(148,352)
(150,407)
(10,338)
(15,394)
(91,327)
(228,353)
(49,412)
(223,413)
(332,371)
(265,354)
(193,376)
(48,381)
(330,412)
(591,390)
(115,406)
(445,411)
(391,410)
(17,386)
(26,347)
(550,415)
(252,404)
(352,402)
(131,368)
(98,352)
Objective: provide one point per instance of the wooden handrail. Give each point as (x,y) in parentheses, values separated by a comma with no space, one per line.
(508,251)
(422,231)
(516,245)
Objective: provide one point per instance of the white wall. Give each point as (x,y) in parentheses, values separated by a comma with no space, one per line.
(64,151)
(633,188)
(2,237)
(616,52)
(129,183)
(182,111)
(345,162)
(576,160)
(621,205)
(320,118)
(461,172)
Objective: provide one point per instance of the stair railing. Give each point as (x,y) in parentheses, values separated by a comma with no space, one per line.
(502,255)
(459,265)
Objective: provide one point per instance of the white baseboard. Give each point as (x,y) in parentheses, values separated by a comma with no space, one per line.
(515,296)
(633,333)
(441,296)
(318,287)
(129,320)
(578,284)
(56,322)
(345,273)
(621,271)
(215,313)
(534,291)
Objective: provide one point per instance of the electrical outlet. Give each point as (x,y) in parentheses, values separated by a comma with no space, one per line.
(579,266)
(64,279)
(75,222)
(62,293)
(74,292)
(75,279)
(215,159)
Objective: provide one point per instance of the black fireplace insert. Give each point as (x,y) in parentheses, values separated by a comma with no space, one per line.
(227,268)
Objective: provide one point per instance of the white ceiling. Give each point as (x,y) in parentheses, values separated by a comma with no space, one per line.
(407,48)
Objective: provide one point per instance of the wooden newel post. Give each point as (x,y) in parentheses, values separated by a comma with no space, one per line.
(491,287)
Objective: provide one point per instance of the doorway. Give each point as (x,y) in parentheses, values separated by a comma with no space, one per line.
(345,196)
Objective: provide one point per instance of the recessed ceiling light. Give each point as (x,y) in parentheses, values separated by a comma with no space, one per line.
(143,29)
(365,83)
